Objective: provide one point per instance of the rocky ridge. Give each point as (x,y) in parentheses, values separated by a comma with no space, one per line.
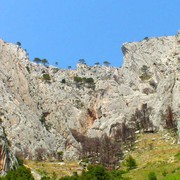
(40,106)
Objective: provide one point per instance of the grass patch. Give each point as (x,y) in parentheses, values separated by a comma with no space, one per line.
(155,153)
(49,168)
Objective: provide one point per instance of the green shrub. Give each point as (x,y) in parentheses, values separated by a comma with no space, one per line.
(78,79)
(63,81)
(42,120)
(130,163)
(60,155)
(89,80)
(28,69)
(178,155)
(45,178)
(152,176)
(21,173)
(164,173)
(96,173)
(46,77)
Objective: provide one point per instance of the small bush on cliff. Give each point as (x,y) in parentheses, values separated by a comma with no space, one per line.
(77,79)
(63,81)
(46,77)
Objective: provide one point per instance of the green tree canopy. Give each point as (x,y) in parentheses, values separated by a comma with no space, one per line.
(44,62)
(37,60)
(106,63)
(82,61)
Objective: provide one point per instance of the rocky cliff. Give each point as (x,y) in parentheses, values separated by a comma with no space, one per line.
(41,106)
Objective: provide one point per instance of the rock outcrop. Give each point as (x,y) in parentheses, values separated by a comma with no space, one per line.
(40,106)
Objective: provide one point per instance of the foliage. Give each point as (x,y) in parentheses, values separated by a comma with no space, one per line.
(45,178)
(130,162)
(46,77)
(37,60)
(60,155)
(146,75)
(55,70)
(82,61)
(77,79)
(84,80)
(42,120)
(96,173)
(21,173)
(28,69)
(97,63)
(63,81)
(18,43)
(152,176)
(44,62)
(89,80)
(178,155)
(106,63)
(146,38)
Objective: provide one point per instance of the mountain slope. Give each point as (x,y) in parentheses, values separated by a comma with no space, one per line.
(40,106)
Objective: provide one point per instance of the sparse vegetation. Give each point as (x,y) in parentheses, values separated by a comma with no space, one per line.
(146,38)
(21,173)
(130,162)
(28,69)
(80,81)
(46,77)
(82,61)
(97,63)
(42,119)
(145,73)
(96,173)
(152,176)
(18,43)
(60,155)
(37,60)
(104,151)
(63,81)
(159,160)
(106,63)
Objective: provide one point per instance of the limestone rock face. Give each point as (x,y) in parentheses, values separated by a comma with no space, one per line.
(40,112)
(7,159)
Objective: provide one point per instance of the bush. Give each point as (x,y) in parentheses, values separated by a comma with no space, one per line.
(178,155)
(152,176)
(63,81)
(96,173)
(89,80)
(21,173)
(77,79)
(60,155)
(28,69)
(164,173)
(130,163)
(46,77)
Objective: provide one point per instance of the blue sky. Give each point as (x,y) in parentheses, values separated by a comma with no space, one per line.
(69,30)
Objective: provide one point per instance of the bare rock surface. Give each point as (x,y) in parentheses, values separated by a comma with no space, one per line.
(39,114)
